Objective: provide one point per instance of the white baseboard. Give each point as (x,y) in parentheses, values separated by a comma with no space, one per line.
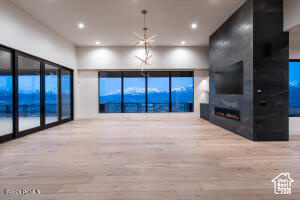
(139,115)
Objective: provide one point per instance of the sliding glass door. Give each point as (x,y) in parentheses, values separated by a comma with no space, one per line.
(66,97)
(29,93)
(6,93)
(51,93)
(34,94)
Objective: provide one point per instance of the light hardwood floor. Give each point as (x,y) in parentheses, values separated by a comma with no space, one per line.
(154,159)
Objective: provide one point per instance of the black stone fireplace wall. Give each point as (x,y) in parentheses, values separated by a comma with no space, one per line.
(253,34)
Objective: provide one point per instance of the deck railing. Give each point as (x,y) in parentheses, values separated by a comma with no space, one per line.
(141,107)
(26,110)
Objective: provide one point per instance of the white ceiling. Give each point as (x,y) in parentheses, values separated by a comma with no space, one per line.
(113,21)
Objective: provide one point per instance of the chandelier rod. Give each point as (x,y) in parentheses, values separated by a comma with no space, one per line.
(144,12)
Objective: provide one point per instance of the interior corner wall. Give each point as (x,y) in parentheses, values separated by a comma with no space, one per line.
(294,122)
(294,45)
(24,33)
(292,19)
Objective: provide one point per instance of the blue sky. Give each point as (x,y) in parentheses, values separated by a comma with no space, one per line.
(29,83)
(160,83)
(108,85)
(5,82)
(51,83)
(294,71)
(134,82)
(178,82)
(33,83)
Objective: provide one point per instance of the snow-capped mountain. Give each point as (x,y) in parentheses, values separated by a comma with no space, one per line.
(137,90)
(133,90)
(155,92)
(113,93)
(183,89)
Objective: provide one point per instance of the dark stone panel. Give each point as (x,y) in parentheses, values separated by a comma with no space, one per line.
(231,43)
(254,34)
(271,72)
(204,111)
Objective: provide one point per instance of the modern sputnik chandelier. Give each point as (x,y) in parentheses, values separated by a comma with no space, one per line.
(146,42)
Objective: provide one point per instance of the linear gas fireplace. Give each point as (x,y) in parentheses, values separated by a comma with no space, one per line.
(227,113)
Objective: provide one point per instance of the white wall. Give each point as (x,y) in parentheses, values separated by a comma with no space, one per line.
(93,59)
(21,32)
(123,58)
(201,89)
(291,13)
(294,44)
(87,83)
(294,125)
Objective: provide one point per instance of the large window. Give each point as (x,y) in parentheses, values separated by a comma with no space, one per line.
(34,94)
(294,85)
(29,93)
(134,92)
(110,99)
(6,93)
(158,97)
(51,93)
(182,92)
(66,94)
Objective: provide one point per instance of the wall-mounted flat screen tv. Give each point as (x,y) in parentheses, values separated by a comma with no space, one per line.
(229,80)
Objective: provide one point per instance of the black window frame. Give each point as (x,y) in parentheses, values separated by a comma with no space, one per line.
(28,131)
(111,74)
(58,92)
(182,74)
(134,74)
(8,136)
(293,115)
(146,74)
(14,64)
(162,74)
(71,95)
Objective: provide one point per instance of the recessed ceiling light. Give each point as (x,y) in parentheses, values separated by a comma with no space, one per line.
(182,42)
(98,42)
(141,42)
(194,25)
(81,25)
